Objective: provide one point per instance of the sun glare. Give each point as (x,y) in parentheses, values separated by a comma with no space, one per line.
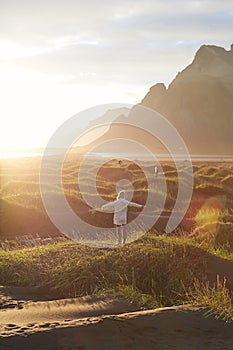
(34,105)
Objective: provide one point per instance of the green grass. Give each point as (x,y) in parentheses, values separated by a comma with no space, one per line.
(20,189)
(69,269)
(214,230)
(222,251)
(207,215)
(155,271)
(136,297)
(152,272)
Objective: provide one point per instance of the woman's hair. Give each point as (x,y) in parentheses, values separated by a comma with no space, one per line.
(121,194)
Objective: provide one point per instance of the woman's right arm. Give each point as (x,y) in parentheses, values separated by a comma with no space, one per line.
(108,205)
(103,207)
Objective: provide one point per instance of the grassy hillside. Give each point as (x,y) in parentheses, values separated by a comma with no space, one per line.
(22,211)
(71,269)
(156,270)
(152,272)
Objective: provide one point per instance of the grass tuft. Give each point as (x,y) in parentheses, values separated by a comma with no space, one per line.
(217,299)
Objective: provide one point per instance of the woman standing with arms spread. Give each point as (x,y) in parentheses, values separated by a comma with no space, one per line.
(120,207)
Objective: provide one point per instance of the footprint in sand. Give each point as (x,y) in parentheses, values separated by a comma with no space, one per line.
(20,330)
(11,326)
(42,325)
(30,325)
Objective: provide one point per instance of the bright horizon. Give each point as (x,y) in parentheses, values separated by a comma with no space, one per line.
(53,66)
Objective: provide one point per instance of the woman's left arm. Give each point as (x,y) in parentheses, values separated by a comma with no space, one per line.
(132,204)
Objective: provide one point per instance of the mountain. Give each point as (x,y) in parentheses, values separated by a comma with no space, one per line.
(199,101)
(108,116)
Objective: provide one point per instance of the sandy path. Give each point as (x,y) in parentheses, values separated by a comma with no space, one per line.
(62,309)
(168,328)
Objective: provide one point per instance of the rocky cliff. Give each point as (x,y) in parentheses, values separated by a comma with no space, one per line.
(199,101)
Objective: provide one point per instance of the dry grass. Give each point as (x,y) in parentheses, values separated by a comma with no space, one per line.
(71,269)
(217,299)
(152,270)
(21,197)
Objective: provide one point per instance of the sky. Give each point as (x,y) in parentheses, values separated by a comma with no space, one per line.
(60,57)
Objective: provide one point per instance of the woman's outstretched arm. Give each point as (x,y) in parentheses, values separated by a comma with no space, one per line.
(132,204)
(108,205)
(103,207)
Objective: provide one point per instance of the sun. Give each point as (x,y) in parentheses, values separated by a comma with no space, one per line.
(21,94)
(34,105)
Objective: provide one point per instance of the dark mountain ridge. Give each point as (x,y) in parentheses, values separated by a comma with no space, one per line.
(199,101)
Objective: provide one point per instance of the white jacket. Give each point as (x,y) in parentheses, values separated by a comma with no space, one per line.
(120,207)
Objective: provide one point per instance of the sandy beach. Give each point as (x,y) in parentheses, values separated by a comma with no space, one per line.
(92,323)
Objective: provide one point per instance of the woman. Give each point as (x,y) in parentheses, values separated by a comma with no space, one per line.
(120,207)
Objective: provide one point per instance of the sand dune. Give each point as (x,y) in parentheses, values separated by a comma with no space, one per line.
(62,309)
(30,319)
(92,323)
(182,327)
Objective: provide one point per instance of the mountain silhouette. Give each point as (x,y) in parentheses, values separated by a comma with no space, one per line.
(199,101)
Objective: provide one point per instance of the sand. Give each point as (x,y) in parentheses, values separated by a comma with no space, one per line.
(64,309)
(92,323)
(183,327)
(31,319)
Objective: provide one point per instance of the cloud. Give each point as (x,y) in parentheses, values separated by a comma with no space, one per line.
(133,41)
(44,22)
(59,57)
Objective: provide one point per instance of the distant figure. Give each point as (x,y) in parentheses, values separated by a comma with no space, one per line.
(120,207)
(120,162)
(156,171)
